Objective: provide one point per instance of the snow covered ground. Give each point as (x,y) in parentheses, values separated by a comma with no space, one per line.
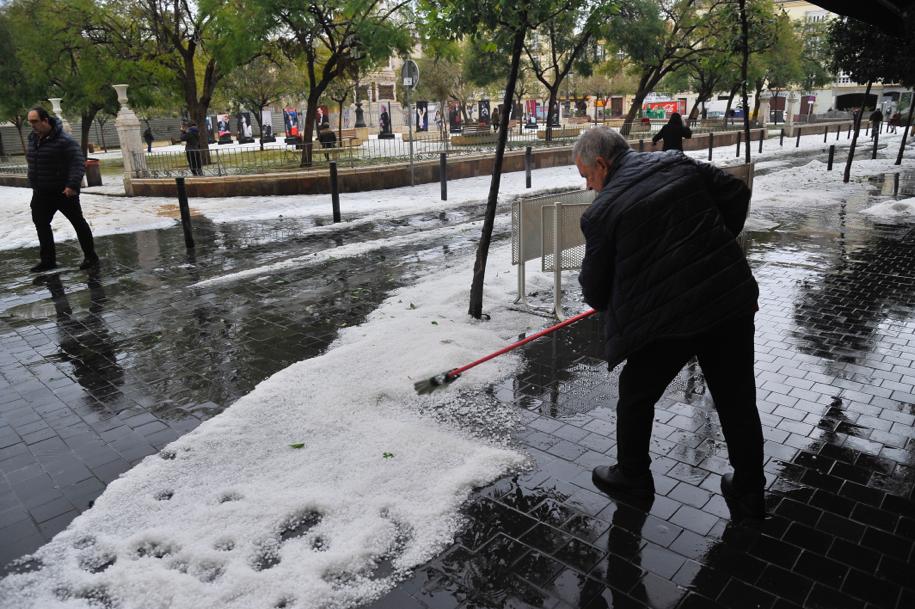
(332,478)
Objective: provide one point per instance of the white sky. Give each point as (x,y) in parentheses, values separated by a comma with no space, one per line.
(235,479)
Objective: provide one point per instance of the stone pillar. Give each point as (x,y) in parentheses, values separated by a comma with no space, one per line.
(132,147)
(55,107)
(763,117)
(789,109)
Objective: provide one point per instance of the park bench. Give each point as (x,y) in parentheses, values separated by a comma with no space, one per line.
(549,227)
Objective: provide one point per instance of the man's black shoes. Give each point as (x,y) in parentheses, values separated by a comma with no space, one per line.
(746,506)
(611,480)
(89,263)
(41,267)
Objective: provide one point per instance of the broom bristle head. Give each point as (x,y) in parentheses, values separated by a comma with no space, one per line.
(430,384)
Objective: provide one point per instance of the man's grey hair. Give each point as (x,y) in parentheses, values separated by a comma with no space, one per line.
(599,142)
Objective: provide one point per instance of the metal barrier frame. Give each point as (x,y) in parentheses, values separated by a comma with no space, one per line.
(554,204)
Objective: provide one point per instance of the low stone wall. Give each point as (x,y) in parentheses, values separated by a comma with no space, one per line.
(14,180)
(699,141)
(350,180)
(817,128)
(382,176)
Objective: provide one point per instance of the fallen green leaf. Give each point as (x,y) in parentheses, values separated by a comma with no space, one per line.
(388,455)
(412,306)
(434,323)
(297,445)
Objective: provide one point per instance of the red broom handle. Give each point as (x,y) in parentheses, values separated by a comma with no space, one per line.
(523,341)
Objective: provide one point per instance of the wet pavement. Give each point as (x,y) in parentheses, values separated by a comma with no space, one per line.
(835,348)
(99,371)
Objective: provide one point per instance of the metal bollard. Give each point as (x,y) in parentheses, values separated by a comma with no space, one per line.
(711,144)
(443,174)
(825,133)
(528,161)
(781,138)
(876,140)
(848,137)
(798,143)
(762,137)
(739,138)
(832,154)
(334,191)
(185,213)
(838,131)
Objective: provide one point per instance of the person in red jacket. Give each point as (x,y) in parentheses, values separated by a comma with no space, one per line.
(663,265)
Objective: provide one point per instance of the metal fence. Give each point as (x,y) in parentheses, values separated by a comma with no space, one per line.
(549,227)
(14,169)
(351,152)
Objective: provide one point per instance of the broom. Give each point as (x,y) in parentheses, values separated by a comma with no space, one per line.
(440,380)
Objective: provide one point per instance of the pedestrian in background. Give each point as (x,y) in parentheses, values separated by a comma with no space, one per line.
(662,262)
(191,138)
(673,133)
(148,138)
(876,118)
(56,169)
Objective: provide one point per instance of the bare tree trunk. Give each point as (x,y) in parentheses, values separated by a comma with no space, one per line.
(727,108)
(479,266)
(308,129)
(745,60)
(854,140)
(85,128)
(259,117)
(340,103)
(645,85)
(905,132)
(549,115)
(18,122)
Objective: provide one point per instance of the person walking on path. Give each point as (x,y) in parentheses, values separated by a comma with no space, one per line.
(663,264)
(148,138)
(673,133)
(876,118)
(56,169)
(191,138)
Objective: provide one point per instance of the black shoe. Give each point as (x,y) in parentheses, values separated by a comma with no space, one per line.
(89,263)
(750,506)
(610,479)
(41,267)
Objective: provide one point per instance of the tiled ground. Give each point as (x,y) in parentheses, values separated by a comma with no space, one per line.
(836,390)
(98,372)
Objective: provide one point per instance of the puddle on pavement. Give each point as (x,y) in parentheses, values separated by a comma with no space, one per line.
(899,184)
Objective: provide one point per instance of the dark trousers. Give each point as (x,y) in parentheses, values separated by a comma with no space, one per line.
(194,162)
(44,206)
(726,357)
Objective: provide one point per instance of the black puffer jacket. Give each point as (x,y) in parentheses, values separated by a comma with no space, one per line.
(55,162)
(661,259)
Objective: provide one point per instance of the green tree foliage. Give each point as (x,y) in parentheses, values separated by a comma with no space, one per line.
(506,22)
(190,46)
(443,75)
(815,55)
(329,36)
(867,55)
(66,50)
(560,44)
(257,84)
(661,36)
(20,88)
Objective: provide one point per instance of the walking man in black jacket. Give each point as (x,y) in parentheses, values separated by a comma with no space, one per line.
(56,168)
(662,263)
